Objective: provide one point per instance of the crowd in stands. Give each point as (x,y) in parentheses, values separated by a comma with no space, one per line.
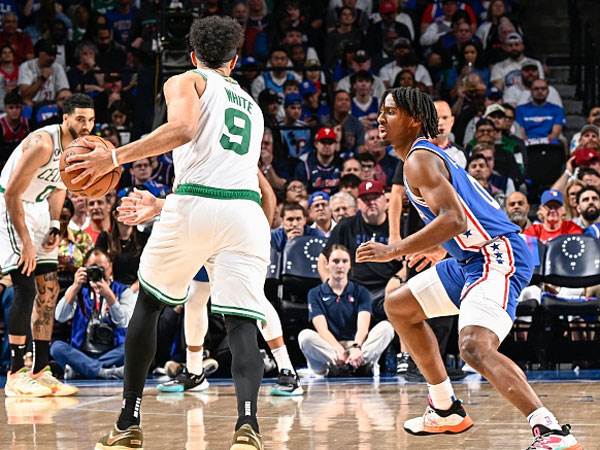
(318,73)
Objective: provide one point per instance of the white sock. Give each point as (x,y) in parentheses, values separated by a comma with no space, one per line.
(194,362)
(542,416)
(282,358)
(441,395)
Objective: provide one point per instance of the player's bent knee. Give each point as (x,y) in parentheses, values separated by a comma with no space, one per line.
(401,305)
(472,350)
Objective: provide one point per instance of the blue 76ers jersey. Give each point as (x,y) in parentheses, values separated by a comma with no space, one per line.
(485,218)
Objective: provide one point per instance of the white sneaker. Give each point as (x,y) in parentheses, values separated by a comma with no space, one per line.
(58,388)
(434,421)
(21,384)
(547,439)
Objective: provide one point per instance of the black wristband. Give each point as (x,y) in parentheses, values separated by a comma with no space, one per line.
(355,345)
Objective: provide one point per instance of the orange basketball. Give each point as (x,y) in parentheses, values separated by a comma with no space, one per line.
(103,185)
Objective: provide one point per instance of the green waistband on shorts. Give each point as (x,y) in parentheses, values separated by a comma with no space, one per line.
(222,194)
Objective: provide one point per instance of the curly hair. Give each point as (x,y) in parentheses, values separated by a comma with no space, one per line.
(215,40)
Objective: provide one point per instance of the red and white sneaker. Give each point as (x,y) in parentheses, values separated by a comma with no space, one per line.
(546,439)
(452,421)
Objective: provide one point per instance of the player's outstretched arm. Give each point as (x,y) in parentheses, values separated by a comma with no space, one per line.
(139,207)
(427,174)
(182,93)
(37,150)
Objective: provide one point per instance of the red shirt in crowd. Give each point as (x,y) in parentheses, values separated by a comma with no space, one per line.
(20,42)
(538,231)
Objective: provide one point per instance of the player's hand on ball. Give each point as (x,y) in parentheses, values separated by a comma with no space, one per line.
(373,252)
(137,208)
(93,165)
(421,260)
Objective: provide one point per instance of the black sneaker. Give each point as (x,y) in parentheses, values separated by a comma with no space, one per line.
(185,381)
(288,384)
(404,360)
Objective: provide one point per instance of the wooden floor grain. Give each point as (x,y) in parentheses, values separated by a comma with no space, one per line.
(362,415)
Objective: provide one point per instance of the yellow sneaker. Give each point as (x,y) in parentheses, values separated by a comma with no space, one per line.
(58,389)
(22,384)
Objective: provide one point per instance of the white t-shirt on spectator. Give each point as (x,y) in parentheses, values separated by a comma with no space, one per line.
(390,70)
(433,32)
(29,71)
(508,71)
(518,95)
(377,89)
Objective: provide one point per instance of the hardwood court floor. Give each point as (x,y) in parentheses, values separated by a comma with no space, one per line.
(340,415)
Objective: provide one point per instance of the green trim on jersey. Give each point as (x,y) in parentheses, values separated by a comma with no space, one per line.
(199,190)
(2,190)
(160,295)
(200,72)
(236,311)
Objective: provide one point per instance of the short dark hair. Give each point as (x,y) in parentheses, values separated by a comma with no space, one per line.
(350,180)
(587,171)
(215,40)
(13,98)
(361,75)
(366,157)
(508,106)
(475,157)
(585,189)
(77,101)
(293,206)
(482,122)
(418,105)
(96,251)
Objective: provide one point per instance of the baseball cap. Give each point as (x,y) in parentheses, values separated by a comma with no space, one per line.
(316,196)
(312,64)
(528,62)
(249,61)
(514,37)
(46,46)
(493,93)
(361,55)
(268,96)
(292,99)
(402,43)
(494,108)
(592,128)
(386,7)
(585,156)
(370,187)
(307,88)
(325,133)
(552,195)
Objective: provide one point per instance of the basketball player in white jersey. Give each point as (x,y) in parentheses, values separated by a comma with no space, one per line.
(213,219)
(141,207)
(31,199)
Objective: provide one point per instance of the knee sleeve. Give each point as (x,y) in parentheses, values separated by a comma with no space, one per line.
(242,334)
(22,306)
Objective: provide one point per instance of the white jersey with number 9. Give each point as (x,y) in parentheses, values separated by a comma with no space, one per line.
(224,152)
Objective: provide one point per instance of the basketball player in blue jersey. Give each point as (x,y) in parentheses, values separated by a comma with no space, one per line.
(490,265)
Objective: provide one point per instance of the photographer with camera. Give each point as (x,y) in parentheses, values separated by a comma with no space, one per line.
(100,309)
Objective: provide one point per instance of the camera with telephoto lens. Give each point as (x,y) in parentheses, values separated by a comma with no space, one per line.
(94,273)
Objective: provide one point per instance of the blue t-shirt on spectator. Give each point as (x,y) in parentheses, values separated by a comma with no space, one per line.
(593,230)
(538,120)
(340,311)
(156,189)
(121,24)
(279,238)
(317,177)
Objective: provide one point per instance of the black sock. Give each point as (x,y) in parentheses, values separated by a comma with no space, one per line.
(140,347)
(246,367)
(41,354)
(17,357)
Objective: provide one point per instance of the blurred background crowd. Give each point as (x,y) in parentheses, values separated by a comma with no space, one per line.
(318,70)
